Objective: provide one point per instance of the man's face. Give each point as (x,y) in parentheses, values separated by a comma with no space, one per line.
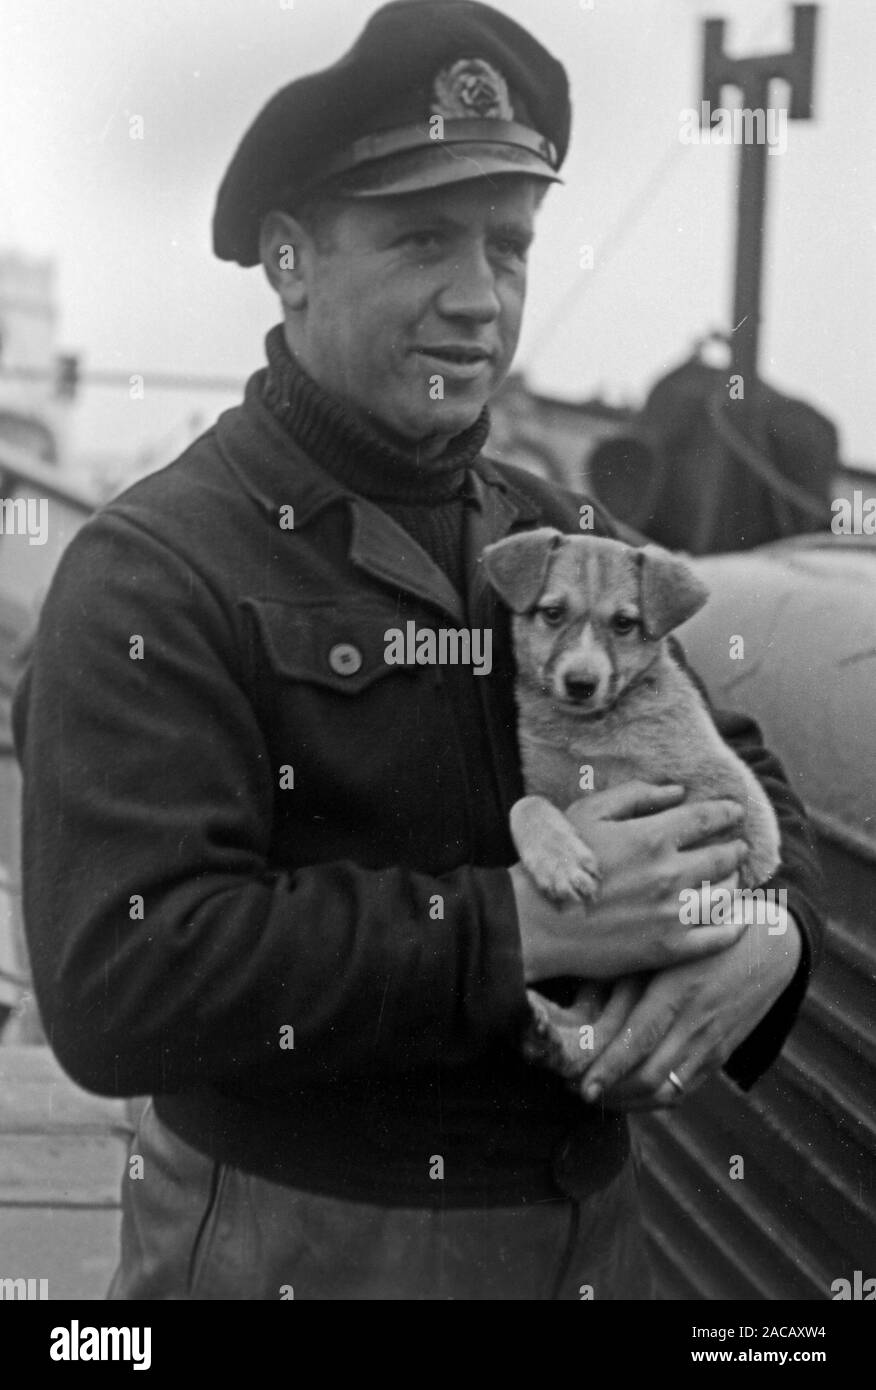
(414,306)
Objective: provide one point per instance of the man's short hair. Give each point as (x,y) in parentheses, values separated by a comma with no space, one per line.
(318,213)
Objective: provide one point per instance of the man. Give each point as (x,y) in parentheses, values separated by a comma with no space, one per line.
(268,878)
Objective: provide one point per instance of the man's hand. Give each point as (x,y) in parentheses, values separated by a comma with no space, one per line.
(687,1019)
(649,848)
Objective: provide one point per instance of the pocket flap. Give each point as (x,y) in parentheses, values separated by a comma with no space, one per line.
(325,642)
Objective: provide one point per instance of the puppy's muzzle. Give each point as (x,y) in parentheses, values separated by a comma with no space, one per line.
(580,688)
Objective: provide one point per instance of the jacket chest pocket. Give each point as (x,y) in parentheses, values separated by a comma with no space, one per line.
(368,742)
(327,646)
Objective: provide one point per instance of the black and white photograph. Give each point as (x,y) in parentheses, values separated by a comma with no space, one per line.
(437,713)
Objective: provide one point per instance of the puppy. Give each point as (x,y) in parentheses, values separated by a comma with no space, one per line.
(598,686)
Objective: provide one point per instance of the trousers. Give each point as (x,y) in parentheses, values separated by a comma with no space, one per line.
(194,1228)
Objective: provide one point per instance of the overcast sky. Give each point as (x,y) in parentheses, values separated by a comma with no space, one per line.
(128,221)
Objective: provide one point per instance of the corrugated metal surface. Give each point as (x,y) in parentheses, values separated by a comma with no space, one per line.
(803,1214)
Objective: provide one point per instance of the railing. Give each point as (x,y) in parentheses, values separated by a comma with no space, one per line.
(26,569)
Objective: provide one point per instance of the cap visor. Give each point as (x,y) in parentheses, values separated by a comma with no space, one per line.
(439,165)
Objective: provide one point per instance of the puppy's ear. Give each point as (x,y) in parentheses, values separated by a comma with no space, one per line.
(669,591)
(517,567)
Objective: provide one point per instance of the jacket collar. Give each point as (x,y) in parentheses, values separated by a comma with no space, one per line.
(275,472)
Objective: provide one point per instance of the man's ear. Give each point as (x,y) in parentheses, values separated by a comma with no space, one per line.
(517,567)
(283,242)
(669,591)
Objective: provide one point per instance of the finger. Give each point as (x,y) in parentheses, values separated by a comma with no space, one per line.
(656,1038)
(712,862)
(690,1061)
(624,997)
(699,942)
(697,821)
(628,1098)
(646,1027)
(703,899)
(628,800)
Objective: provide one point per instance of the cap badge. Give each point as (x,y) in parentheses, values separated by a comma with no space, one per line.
(472,88)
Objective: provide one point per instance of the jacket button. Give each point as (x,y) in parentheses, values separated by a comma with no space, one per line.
(345,659)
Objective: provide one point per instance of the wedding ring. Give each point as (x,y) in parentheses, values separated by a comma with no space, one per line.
(674,1081)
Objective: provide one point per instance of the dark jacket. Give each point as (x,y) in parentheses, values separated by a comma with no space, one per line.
(185,910)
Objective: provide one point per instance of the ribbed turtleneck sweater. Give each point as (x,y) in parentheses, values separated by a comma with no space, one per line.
(424,496)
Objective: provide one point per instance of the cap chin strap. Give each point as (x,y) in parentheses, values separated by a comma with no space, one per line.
(410,137)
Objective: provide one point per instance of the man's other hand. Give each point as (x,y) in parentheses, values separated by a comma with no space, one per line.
(688,1019)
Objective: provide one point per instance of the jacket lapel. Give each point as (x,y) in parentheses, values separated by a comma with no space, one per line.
(385,551)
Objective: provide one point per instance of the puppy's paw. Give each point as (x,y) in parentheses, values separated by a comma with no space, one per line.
(565,878)
(550,1039)
(556,859)
(562,1039)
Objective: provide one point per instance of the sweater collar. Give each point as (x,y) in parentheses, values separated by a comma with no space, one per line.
(292,490)
(353,453)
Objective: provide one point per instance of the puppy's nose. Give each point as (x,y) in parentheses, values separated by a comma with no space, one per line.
(579,688)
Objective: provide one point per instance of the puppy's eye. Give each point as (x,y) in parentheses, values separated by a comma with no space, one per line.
(624,624)
(553,615)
